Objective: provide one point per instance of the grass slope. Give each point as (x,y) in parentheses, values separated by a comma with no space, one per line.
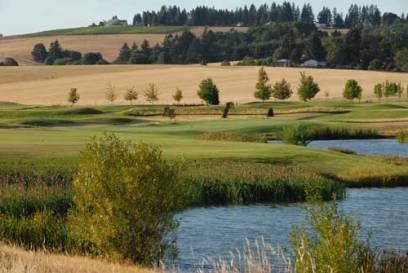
(106,30)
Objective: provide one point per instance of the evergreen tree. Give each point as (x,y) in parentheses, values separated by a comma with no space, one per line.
(55,50)
(307,15)
(263,89)
(314,48)
(124,54)
(308,89)
(325,17)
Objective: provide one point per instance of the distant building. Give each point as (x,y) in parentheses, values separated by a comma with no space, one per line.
(283,63)
(115,21)
(314,63)
(321,26)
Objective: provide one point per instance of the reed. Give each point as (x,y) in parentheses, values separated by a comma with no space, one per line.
(402,137)
(239,137)
(222,183)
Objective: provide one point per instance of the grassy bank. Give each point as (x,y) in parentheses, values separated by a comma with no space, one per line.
(16,260)
(106,30)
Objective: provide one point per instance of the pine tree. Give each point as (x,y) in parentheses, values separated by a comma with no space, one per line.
(263,90)
(124,54)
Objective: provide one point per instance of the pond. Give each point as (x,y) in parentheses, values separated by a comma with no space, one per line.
(387,147)
(215,232)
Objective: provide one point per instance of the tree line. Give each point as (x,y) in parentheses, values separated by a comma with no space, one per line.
(56,55)
(209,93)
(264,14)
(383,47)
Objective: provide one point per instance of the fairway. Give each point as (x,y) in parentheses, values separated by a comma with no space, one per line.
(50,85)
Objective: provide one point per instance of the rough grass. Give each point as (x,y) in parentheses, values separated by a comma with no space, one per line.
(106,30)
(16,260)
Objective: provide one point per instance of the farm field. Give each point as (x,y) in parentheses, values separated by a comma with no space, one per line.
(85,40)
(49,85)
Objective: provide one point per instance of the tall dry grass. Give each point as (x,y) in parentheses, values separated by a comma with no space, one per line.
(15,260)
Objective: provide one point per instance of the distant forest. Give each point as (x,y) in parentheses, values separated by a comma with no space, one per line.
(258,16)
(369,39)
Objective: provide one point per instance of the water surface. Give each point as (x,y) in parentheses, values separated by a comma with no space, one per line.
(215,232)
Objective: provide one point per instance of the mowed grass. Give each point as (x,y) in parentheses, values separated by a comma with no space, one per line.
(56,136)
(50,85)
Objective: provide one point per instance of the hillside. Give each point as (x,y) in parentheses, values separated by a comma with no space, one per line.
(50,85)
(106,40)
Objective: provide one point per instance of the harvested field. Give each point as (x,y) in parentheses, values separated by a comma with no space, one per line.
(50,85)
(108,44)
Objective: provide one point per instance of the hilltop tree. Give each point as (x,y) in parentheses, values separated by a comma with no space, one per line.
(308,89)
(378,91)
(39,53)
(131,95)
(263,89)
(151,94)
(73,96)
(178,96)
(352,90)
(125,198)
(110,94)
(281,90)
(209,92)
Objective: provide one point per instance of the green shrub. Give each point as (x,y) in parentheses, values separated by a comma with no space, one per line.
(333,246)
(270,113)
(125,199)
(9,62)
(227,108)
(402,137)
(209,92)
(352,90)
(281,90)
(296,135)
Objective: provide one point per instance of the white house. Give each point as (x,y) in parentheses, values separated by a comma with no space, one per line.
(115,21)
(314,63)
(283,63)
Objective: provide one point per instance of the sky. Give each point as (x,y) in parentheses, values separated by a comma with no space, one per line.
(27,16)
